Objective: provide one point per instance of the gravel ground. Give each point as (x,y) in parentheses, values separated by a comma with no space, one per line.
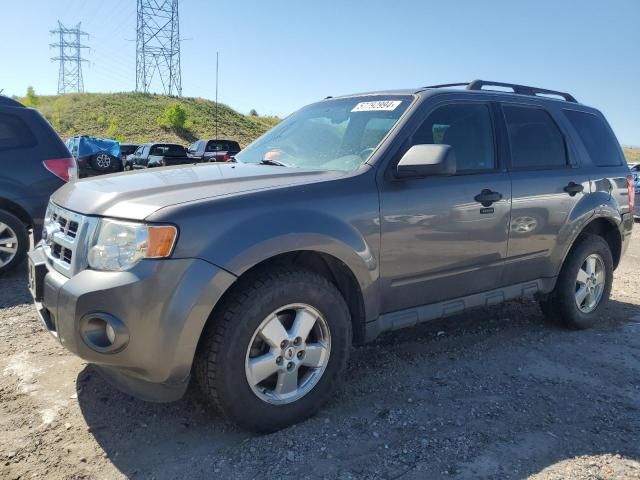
(496,394)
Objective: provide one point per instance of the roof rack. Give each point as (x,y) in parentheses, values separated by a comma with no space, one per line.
(517,89)
(9,102)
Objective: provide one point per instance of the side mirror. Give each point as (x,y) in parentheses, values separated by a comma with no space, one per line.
(427,160)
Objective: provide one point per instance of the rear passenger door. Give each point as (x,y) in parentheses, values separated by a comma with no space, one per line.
(547,185)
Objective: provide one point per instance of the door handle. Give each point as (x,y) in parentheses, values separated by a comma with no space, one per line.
(573,188)
(486,197)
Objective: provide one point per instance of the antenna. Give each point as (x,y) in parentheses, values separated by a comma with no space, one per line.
(217,57)
(158,47)
(70,58)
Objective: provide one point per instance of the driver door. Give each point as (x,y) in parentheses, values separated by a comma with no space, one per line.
(438,241)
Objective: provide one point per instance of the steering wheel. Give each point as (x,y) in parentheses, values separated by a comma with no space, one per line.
(365,153)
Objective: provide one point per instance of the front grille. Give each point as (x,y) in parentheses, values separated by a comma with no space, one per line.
(68,227)
(65,239)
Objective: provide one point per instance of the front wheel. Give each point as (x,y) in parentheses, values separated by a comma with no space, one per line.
(276,350)
(583,286)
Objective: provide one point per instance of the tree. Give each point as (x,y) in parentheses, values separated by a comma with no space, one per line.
(253,113)
(31,100)
(174,117)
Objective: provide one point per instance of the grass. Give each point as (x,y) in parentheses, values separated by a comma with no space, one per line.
(133,117)
(632,154)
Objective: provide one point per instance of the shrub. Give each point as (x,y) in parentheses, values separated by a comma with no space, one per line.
(174,117)
(31,100)
(253,113)
(112,130)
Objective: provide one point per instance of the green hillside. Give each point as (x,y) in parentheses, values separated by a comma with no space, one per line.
(133,117)
(632,154)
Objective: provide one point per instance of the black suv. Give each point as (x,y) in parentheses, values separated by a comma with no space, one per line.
(34,162)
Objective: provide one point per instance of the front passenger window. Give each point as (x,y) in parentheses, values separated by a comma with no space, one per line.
(467,128)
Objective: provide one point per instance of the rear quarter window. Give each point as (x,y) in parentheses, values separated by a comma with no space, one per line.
(14,133)
(596,137)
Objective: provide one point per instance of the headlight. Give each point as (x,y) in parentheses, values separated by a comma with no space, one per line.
(118,246)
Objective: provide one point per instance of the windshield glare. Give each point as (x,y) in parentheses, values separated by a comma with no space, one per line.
(331,135)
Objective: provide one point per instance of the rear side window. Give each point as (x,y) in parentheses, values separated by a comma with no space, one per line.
(535,139)
(14,133)
(217,146)
(467,128)
(596,137)
(222,146)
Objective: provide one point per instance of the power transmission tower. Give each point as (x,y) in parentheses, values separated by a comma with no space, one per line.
(158,47)
(70,58)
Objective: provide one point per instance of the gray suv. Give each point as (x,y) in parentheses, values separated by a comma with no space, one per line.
(354,216)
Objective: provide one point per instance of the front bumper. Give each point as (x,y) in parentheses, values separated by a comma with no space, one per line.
(162,304)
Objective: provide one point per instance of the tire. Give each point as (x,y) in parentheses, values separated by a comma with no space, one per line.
(103,162)
(561,305)
(222,361)
(14,241)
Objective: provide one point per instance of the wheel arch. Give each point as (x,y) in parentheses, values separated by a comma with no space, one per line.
(604,227)
(324,264)
(16,210)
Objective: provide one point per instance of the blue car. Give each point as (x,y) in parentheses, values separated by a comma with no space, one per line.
(95,156)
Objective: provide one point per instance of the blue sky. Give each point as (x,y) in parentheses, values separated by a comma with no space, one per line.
(278,55)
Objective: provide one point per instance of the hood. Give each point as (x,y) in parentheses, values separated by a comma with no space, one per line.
(136,195)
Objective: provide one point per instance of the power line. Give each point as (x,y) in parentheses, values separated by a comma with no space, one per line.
(158,47)
(70,58)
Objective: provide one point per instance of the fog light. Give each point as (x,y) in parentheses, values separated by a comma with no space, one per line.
(103,332)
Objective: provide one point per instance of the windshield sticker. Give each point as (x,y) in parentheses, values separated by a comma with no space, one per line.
(377,106)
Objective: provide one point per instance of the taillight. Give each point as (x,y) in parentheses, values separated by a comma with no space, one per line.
(226,157)
(632,192)
(63,168)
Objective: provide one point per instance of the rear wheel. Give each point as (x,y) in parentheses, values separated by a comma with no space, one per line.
(277,349)
(14,241)
(103,162)
(583,286)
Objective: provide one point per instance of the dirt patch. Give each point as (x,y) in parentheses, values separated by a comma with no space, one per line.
(494,394)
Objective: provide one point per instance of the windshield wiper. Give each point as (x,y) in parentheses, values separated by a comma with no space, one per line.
(266,161)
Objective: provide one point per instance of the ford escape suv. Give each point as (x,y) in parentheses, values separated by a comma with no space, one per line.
(354,216)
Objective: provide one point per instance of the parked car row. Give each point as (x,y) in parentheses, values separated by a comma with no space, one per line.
(151,155)
(98,156)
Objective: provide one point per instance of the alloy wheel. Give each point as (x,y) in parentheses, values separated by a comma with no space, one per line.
(103,160)
(8,244)
(288,354)
(590,283)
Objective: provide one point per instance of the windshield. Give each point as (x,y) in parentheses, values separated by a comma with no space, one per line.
(331,135)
